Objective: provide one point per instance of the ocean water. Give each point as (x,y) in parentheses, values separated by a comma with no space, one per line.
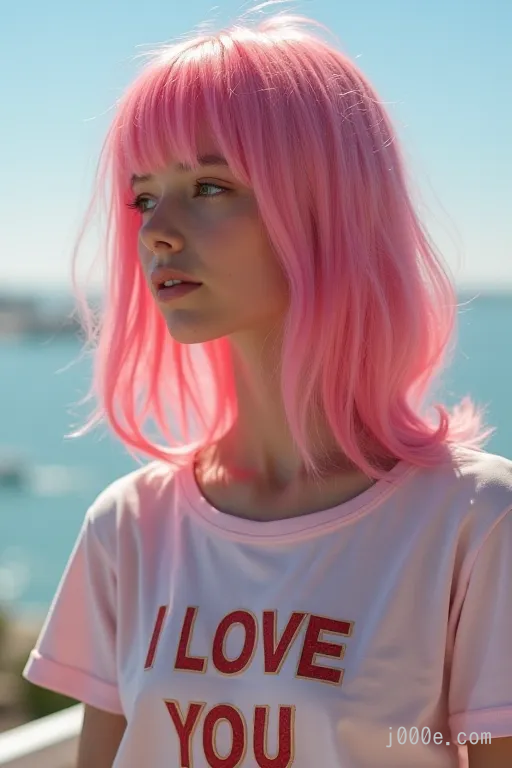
(39,390)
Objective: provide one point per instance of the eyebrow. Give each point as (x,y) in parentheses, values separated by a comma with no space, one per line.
(203,160)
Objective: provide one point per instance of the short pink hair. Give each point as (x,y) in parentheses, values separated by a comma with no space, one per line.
(372,311)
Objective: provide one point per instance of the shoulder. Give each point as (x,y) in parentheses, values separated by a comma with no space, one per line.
(481,479)
(485,483)
(131,503)
(478,473)
(465,478)
(467,495)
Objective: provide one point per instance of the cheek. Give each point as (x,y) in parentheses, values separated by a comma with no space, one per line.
(254,279)
(260,266)
(145,258)
(238,248)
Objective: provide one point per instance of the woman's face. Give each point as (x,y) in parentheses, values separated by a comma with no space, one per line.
(207,225)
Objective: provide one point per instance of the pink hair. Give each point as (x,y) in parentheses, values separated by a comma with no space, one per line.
(372,311)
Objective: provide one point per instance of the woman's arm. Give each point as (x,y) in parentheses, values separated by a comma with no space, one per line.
(100,738)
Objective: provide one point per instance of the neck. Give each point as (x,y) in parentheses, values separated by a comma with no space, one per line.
(259,448)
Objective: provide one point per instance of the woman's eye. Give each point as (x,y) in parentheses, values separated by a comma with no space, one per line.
(140,202)
(203,184)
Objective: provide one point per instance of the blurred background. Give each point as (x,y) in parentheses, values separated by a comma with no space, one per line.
(442,68)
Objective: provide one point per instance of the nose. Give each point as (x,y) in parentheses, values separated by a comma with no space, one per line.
(159,233)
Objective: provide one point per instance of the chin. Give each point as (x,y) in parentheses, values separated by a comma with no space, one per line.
(190,332)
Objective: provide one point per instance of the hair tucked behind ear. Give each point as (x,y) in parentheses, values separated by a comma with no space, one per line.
(372,311)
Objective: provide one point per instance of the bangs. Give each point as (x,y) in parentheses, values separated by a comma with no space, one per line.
(172,109)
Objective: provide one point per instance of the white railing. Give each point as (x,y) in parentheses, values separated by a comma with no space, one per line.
(50,742)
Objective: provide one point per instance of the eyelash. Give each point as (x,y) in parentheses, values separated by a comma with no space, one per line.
(139,201)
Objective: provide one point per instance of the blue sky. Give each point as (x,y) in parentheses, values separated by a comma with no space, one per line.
(443,66)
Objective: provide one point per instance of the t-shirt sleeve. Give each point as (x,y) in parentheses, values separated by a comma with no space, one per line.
(480,697)
(75,653)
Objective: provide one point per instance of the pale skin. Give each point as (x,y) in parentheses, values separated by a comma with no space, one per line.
(213,232)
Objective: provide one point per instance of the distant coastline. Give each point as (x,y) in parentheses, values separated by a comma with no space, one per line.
(53,313)
(38,315)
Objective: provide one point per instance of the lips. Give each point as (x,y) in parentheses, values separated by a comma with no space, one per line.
(160,275)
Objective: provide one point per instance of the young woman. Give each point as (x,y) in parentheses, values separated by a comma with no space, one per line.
(316,572)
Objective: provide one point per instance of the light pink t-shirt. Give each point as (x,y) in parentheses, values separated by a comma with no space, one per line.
(306,642)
